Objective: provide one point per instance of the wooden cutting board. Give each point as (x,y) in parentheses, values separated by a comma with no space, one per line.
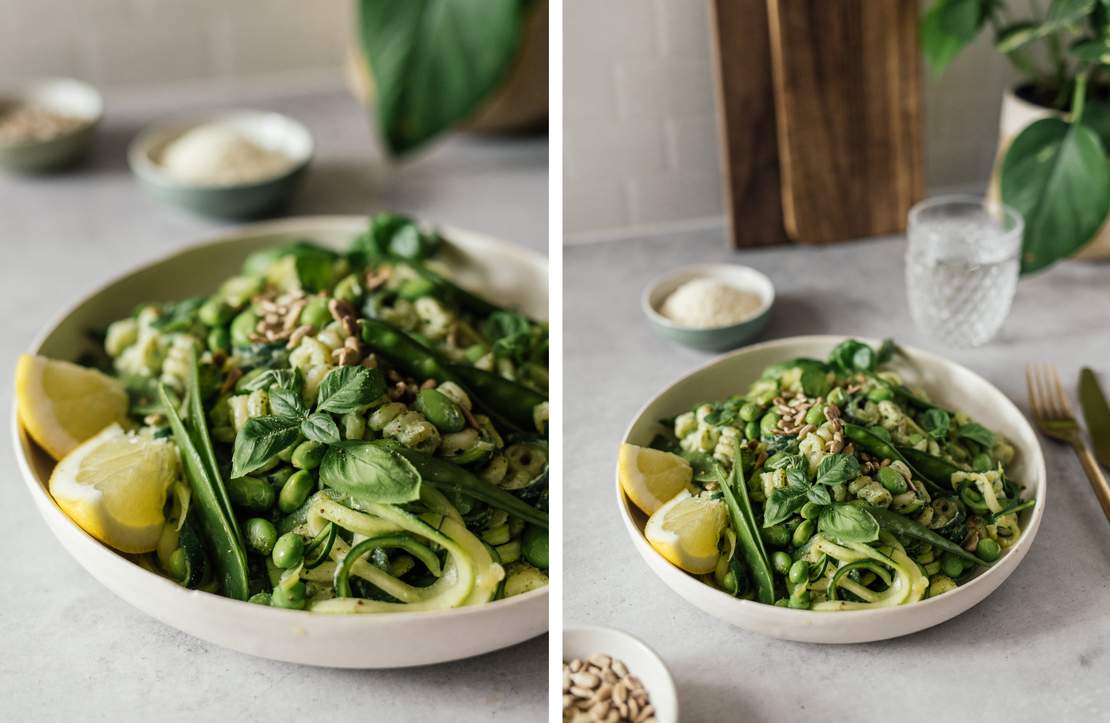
(847,95)
(745,97)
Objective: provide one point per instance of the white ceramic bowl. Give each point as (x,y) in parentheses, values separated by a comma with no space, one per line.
(501,271)
(582,641)
(948,383)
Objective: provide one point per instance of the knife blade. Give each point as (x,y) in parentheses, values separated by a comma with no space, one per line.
(1097,414)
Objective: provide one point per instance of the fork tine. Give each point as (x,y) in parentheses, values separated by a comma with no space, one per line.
(1060,395)
(1047,392)
(1031,386)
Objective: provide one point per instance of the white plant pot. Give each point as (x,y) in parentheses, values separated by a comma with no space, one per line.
(1016,115)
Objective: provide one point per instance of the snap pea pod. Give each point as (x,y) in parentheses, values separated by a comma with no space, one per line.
(932,467)
(747,532)
(402,541)
(203,442)
(444,476)
(513,401)
(905,527)
(868,442)
(224,543)
(452,293)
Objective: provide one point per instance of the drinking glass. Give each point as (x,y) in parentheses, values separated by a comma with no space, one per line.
(962,263)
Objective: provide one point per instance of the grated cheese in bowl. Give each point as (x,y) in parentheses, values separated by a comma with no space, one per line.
(214,154)
(706,303)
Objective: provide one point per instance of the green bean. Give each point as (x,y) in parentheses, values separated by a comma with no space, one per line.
(440,411)
(288,550)
(406,542)
(251,493)
(291,598)
(308,454)
(988,549)
(798,573)
(781,561)
(744,524)
(893,482)
(295,491)
(261,535)
(535,546)
(904,527)
(750,412)
(242,328)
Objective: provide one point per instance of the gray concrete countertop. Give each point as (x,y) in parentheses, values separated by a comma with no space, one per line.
(1037,649)
(72,650)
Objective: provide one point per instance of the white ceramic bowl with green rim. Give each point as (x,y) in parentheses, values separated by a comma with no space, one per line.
(64,96)
(272,131)
(500,271)
(718,338)
(582,641)
(949,384)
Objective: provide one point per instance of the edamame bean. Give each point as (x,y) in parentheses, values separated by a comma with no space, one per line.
(260,598)
(291,598)
(952,566)
(535,546)
(261,535)
(880,394)
(251,493)
(308,455)
(440,411)
(775,535)
(348,289)
(810,511)
(799,572)
(215,312)
(242,328)
(295,491)
(781,562)
(219,340)
(315,312)
(803,532)
(837,396)
(982,462)
(782,602)
(179,565)
(750,412)
(288,550)
(892,481)
(768,423)
(816,415)
(988,549)
(801,599)
(751,430)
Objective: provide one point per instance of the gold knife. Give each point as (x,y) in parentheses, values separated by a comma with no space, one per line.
(1097,414)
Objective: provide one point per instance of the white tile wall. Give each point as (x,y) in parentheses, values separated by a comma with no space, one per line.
(128,43)
(641,145)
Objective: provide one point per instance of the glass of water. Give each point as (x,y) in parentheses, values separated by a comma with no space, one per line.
(962,265)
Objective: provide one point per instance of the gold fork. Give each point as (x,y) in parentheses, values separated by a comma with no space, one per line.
(1053,415)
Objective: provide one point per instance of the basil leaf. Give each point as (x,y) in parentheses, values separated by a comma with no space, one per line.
(370,473)
(783,503)
(819,495)
(287,403)
(782,461)
(976,433)
(346,389)
(935,422)
(797,472)
(815,382)
(320,427)
(179,316)
(886,352)
(848,523)
(837,468)
(852,356)
(260,439)
(282,378)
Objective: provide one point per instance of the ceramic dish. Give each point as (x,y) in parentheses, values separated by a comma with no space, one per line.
(716,339)
(59,95)
(949,382)
(502,271)
(270,130)
(582,641)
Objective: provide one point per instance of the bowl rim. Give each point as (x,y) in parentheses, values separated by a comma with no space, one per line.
(22,90)
(160,131)
(766,295)
(1036,466)
(646,650)
(237,234)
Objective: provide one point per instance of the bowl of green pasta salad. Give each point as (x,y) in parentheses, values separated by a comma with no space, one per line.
(831,490)
(319,440)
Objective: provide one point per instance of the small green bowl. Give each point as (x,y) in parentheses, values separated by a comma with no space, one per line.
(718,338)
(60,95)
(239,201)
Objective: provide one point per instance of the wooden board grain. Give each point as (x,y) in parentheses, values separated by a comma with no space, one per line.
(745,96)
(847,79)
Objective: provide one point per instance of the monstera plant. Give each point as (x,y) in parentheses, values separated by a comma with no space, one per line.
(433,63)
(1055,171)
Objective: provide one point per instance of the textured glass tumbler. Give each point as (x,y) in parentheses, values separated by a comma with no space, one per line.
(962,263)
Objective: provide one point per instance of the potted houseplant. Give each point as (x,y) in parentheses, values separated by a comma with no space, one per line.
(427,66)
(1055,126)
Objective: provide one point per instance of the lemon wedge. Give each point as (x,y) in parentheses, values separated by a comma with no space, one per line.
(686,531)
(651,477)
(63,404)
(114,486)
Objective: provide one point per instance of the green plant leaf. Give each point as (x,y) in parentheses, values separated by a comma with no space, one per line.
(935,422)
(1016,36)
(346,389)
(287,403)
(848,523)
(435,61)
(784,502)
(976,433)
(281,378)
(370,473)
(1092,51)
(815,382)
(1064,13)
(259,440)
(886,352)
(1056,175)
(837,468)
(947,27)
(819,495)
(320,427)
